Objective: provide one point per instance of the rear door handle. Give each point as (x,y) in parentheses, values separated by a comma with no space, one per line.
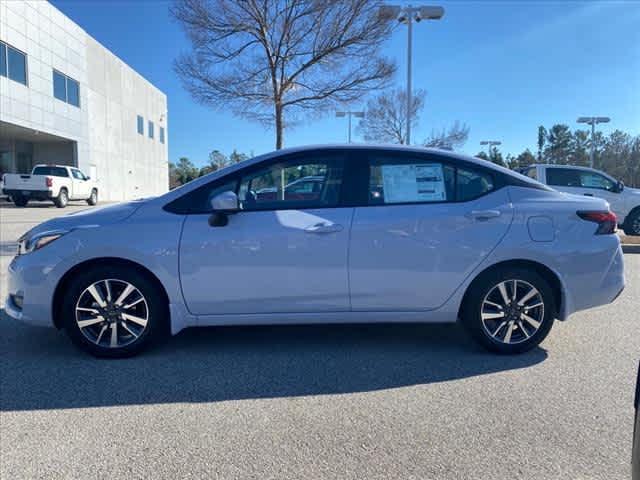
(588,194)
(323,227)
(483,215)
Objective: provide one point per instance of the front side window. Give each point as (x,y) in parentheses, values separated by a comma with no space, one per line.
(595,180)
(140,125)
(66,89)
(150,127)
(77,174)
(293,184)
(13,63)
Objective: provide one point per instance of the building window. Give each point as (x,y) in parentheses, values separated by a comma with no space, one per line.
(161,134)
(13,63)
(150,129)
(140,125)
(66,89)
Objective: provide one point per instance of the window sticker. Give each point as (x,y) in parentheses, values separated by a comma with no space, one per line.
(422,182)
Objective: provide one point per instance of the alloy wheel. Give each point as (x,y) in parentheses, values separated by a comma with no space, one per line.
(112,313)
(512,311)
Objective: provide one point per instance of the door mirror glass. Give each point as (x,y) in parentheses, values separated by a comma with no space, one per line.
(225,202)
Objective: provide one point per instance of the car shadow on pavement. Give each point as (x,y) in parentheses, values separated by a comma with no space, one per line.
(40,369)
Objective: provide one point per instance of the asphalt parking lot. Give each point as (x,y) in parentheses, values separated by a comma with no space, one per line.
(361,402)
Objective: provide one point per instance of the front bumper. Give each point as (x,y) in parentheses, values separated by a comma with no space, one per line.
(31,280)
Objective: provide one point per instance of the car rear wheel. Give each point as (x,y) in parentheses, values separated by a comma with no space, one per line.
(509,311)
(113,311)
(632,224)
(62,199)
(93,199)
(20,201)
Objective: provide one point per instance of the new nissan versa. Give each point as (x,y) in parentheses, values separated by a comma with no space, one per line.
(320,235)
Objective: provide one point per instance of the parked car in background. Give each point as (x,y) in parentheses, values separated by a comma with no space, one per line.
(624,201)
(390,234)
(59,183)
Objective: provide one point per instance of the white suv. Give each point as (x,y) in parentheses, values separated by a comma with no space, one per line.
(624,201)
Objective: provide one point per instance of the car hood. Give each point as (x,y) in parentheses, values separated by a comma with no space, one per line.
(91,217)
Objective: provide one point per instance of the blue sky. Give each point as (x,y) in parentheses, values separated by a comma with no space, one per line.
(501,67)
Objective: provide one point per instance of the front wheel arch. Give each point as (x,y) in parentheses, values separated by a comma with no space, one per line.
(56,305)
(541,269)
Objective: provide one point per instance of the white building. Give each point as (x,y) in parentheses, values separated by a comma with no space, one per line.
(66,99)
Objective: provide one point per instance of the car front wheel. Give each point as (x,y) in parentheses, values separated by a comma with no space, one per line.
(113,311)
(509,310)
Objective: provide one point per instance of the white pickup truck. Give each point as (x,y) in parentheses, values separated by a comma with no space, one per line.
(59,183)
(624,201)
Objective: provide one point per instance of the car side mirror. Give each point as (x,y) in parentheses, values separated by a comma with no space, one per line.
(223,205)
(619,186)
(87,178)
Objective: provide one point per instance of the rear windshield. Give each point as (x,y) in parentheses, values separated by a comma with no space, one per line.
(53,171)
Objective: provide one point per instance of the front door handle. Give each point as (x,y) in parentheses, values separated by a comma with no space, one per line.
(483,215)
(588,194)
(324,227)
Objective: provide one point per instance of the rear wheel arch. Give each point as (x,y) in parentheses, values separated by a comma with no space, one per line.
(545,272)
(61,288)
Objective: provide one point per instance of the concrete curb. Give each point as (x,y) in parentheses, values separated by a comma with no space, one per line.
(631,248)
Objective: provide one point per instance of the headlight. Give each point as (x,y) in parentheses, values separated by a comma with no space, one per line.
(39,240)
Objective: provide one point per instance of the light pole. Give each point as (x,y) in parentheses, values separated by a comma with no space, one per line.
(490,143)
(350,114)
(593,121)
(407,15)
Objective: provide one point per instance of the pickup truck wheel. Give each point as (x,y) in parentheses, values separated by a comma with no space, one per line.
(20,201)
(632,224)
(62,199)
(93,199)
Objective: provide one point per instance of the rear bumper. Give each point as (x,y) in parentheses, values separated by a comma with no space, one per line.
(29,194)
(586,293)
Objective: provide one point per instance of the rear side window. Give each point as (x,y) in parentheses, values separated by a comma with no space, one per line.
(52,171)
(563,177)
(471,184)
(417,180)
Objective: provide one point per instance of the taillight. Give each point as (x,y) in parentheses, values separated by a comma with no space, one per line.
(607,221)
(49,182)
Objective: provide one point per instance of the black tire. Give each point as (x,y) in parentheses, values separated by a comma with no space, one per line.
(20,201)
(632,223)
(62,199)
(154,310)
(486,287)
(93,199)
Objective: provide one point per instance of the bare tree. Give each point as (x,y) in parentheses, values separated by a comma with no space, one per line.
(277,60)
(385,119)
(452,139)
